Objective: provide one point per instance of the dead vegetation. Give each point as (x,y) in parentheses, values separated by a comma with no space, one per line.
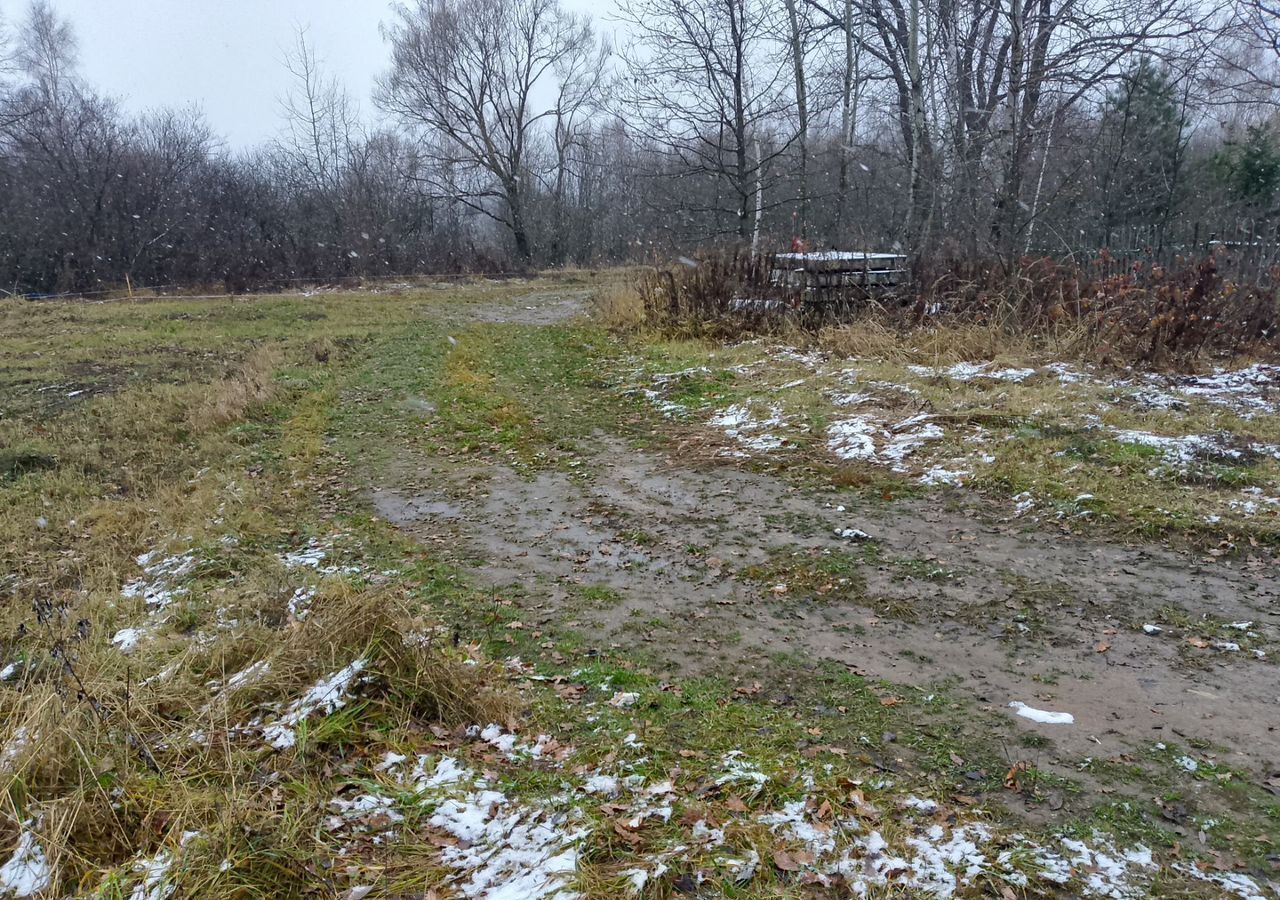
(252,384)
(1150,316)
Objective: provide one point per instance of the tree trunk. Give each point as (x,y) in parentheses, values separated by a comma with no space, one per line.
(846,119)
(1005,223)
(802,111)
(755,230)
(915,189)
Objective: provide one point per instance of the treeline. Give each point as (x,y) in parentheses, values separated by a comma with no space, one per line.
(515,136)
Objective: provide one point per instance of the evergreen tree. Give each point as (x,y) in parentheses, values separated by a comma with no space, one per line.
(1250,169)
(1141,147)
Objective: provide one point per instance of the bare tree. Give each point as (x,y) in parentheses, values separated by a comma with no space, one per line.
(467,74)
(581,75)
(319,118)
(705,79)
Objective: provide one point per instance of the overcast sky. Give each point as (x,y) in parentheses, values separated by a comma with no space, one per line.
(224,55)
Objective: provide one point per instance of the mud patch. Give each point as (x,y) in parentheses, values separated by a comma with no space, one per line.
(945,597)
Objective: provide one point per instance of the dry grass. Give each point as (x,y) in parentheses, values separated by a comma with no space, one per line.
(252,385)
(619,308)
(112,757)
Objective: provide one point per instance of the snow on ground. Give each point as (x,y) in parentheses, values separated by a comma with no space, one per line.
(158,586)
(326,696)
(876,435)
(738,422)
(27,872)
(969,371)
(869,440)
(1249,391)
(1182,451)
(1044,717)
(311,555)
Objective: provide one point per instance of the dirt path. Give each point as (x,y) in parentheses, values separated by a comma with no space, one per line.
(1018,616)
(536,308)
(709,567)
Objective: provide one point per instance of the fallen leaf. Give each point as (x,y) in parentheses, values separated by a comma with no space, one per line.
(785,861)
(623,831)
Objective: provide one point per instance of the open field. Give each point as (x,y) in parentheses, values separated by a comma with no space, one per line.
(454,591)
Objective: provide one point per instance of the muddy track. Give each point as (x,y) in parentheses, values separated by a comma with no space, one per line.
(1000,611)
(1019,616)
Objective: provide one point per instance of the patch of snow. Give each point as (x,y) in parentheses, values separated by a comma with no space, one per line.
(1023,503)
(1249,390)
(924,806)
(738,423)
(27,872)
(792,822)
(505,851)
(1044,717)
(1233,882)
(740,771)
(155,884)
(861,438)
(157,587)
(309,556)
(249,673)
(326,696)
(967,371)
(13,748)
(1103,871)
(1066,374)
(447,771)
(852,534)
(128,639)
(1149,398)
(601,784)
(851,399)
(300,603)
(939,475)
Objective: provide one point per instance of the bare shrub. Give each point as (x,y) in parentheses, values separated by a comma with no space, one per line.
(1148,315)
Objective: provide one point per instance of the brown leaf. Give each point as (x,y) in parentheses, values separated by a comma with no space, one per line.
(1102,647)
(620,828)
(734,804)
(785,861)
